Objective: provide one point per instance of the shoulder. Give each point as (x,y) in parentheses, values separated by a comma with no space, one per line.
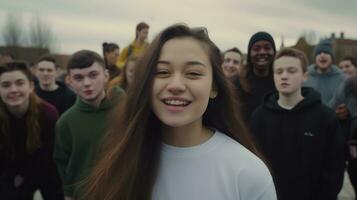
(325,110)
(47,110)
(68,115)
(38,88)
(240,156)
(259,110)
(64,88)
(127,47)
(323,113)
(250,172)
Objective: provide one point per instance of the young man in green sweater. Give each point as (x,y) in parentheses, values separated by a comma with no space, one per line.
(80,129)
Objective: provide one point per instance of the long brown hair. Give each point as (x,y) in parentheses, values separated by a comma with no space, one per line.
(33,141)
(128,162)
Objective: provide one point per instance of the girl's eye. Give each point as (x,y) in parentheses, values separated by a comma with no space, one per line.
(194,75)
(162,73)
(5,85)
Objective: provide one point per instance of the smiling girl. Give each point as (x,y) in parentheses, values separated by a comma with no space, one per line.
(26,138)
(179,133)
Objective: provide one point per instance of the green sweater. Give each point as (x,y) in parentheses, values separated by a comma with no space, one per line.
(79,133)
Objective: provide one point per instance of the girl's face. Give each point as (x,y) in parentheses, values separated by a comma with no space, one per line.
(15,89)
(112,56)
(183,83)
(130,70)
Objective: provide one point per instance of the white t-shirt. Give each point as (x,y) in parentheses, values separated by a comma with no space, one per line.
(219,169)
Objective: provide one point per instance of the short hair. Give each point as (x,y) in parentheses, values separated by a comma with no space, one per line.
(84,59)
(48,58)
(352,59)
(234,49)
(139,27)
(295,53)
(16,66)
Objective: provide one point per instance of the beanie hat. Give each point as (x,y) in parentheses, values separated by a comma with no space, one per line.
(258,37)
(324,46)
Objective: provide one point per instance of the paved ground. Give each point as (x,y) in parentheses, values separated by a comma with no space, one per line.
(347,190)
(345,194)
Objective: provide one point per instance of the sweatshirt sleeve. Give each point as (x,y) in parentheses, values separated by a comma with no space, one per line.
(333,170)
(62,151)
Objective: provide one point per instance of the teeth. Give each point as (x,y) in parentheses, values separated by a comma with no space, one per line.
(176,102)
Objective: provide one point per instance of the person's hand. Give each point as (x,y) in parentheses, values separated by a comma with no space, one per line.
(68,198)
(18,180)
(342,112)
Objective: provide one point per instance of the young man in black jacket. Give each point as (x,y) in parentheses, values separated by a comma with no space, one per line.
(299,136)
(50,90)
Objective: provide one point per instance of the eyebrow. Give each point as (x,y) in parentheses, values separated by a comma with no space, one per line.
(187,63)
(9,81)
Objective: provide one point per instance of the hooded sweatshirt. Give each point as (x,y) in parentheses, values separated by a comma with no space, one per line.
(304,147)
(325,83)
(79,132)
(347,94)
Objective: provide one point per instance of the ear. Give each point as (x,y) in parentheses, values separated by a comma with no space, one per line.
(106,74)
(68,81)
(214,92)
(305,76)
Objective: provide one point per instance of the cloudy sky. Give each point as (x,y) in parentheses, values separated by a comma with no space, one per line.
(85,24)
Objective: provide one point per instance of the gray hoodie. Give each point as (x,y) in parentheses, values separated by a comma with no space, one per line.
(345,95)
(325,83)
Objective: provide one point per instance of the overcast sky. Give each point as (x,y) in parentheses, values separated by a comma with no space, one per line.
(85,24)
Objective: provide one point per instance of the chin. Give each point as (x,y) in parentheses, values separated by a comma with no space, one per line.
(89,98)
(15,104)
(175,123)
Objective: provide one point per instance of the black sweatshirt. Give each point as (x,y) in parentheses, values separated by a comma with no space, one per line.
(303,146)
(259,87)
(62,98)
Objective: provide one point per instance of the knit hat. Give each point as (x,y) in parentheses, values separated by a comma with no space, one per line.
(324,46)
(258,37)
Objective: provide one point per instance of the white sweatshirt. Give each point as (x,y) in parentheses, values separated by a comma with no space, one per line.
(219,169)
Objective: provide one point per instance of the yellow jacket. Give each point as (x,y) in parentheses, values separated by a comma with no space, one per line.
(134,49)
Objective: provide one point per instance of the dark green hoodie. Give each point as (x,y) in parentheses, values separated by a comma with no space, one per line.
(79,133)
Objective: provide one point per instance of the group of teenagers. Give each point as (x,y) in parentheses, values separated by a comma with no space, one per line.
(190,123)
